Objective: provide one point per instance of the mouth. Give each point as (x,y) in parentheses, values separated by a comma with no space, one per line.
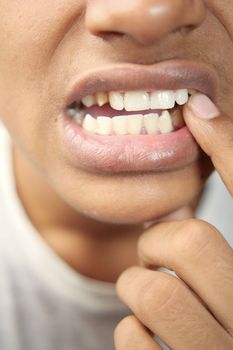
(129,118)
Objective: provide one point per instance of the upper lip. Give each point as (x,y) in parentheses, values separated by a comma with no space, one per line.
(167,75)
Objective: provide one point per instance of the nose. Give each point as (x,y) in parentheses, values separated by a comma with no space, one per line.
(146,21)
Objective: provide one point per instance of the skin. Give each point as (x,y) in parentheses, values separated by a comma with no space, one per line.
(80,214)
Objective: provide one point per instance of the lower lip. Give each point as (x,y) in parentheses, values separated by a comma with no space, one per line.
(127,153)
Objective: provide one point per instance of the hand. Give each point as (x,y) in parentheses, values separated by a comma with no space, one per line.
(193,311)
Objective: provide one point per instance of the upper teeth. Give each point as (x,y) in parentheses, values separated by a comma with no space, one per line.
(138,100)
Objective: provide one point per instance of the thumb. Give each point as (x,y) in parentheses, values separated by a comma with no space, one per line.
(213,131)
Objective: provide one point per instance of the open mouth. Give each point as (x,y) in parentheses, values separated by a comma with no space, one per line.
(127,118)
(135,112)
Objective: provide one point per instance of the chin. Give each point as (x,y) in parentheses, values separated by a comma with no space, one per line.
(133,199)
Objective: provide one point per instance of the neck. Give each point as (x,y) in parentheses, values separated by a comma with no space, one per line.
(95,249)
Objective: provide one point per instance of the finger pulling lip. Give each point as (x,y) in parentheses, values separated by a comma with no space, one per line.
(134,153)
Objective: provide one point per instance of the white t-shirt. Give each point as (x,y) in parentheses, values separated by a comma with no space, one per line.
(44,303)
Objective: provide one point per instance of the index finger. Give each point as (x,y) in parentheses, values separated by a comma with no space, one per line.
(213,131)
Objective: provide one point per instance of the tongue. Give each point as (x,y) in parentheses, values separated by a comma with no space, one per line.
(108,111)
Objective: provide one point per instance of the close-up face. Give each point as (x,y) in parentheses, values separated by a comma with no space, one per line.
(65,63)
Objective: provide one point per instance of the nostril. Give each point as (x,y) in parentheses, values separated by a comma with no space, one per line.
(184,30)
(109,36)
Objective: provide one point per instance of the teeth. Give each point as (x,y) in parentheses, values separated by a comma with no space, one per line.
(89,101)
(104,126)
(78,117)
(151,123)
(136,101)
(133,101)
(119,125)
(134,123)
(89,123)
(182,97)
(162,99)
(116,100)
(177,119)
(101,98)
(71,112)
(165,123)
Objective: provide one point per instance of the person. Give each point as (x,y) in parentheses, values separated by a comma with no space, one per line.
(116,126)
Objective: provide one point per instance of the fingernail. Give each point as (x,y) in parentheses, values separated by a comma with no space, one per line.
(203,107)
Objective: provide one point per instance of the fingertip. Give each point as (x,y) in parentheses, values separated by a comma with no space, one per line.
(201,106)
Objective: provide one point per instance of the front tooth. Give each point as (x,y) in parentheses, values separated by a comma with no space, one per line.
(101,98)
(182,97)
(104,125)
(119,125)
(116,100)
(136,101)
(89,123)
(134,123)
(165,123)
(150,122)
(162,99)
(89,101)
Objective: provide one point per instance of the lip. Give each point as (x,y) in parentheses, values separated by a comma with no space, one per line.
(168,75)
(134,153)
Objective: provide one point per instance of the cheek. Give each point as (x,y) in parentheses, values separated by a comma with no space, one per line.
(29,38)
(128,199)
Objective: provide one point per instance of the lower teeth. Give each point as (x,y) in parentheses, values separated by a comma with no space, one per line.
(138,124)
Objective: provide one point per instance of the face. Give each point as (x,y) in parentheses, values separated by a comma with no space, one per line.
(45,46)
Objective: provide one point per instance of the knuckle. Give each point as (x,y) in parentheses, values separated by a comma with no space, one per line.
(158,295)
(193,238)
